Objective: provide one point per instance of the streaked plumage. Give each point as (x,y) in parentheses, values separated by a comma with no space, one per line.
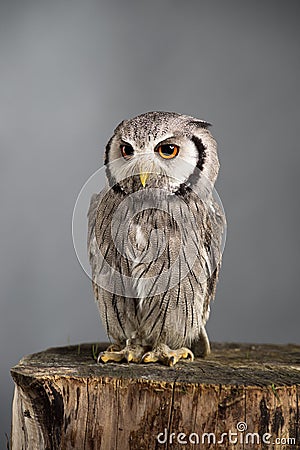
(155,240)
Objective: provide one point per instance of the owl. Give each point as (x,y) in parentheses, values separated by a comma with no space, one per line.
(155,236)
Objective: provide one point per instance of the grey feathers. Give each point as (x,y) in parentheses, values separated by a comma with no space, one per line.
(155,233)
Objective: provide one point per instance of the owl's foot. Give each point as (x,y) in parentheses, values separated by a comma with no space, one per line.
(130,353)
(113,348)
(167,356)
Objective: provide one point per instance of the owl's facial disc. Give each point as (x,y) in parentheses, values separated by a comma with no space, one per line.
(154,163)
(164,150)
(160,149)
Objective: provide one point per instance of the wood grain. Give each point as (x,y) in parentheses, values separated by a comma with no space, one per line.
(64,400)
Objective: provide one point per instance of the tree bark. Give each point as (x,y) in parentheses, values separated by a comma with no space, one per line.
(241,397)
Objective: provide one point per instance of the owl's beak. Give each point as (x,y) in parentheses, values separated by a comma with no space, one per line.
(143,177)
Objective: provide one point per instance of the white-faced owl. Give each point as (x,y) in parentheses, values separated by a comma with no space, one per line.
(155,238)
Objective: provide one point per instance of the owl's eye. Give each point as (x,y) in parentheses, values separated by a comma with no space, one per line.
(168,151)
(126,150)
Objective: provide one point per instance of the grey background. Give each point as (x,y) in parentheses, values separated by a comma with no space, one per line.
(70,71)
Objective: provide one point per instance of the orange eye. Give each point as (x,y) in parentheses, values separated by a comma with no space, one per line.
(126,150)
(168,151)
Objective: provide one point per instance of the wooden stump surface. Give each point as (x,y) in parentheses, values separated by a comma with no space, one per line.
(64,400)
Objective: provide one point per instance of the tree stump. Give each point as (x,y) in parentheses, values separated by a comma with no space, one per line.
(241,397)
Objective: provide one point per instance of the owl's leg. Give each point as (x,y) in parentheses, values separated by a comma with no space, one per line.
(113,348)
(130,353)
(169,357)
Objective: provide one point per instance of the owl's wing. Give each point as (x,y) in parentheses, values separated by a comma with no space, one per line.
(108,265)
(207,233)
(214,235)
(98,206)
(213,226)
(92,213)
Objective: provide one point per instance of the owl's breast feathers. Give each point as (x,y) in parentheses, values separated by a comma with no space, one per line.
(182,237)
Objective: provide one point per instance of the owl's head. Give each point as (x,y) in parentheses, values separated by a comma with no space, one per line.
(161,149)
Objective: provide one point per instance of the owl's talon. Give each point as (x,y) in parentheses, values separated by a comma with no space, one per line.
(171,361)
(130,353)
(113,348)
(106,356)
(99,357)
(167,356)
(150,357)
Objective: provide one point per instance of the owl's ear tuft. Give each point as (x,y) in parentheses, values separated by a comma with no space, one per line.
(200,123)
(121,124)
